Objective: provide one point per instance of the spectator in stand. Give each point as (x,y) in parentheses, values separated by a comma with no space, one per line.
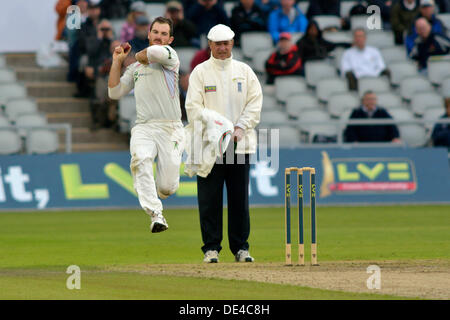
(140,40)
(323,7)
(61,9)
(97,71)
(427,11)
(200,56)
(205,14)
(137,9)
(247,16)
(184,31)
(428,44)
(441,131)
(88,33)
(285,61)
(361,61)
(288,18)
(403,14)
(312,46)
(371,133)
(267,5)
(114,9)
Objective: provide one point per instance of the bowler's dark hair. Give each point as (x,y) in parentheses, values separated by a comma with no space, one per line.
(162,20)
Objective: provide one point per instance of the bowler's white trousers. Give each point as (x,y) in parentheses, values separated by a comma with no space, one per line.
(161,141)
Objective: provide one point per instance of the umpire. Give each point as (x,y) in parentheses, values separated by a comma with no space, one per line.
(232,89)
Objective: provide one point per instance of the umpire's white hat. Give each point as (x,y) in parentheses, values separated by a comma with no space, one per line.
(220,32)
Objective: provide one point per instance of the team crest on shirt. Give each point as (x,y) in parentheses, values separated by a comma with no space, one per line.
(136,76)
(210,89)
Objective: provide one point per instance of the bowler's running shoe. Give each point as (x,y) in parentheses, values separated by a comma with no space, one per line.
(243,256)
(211,256)
(159,224)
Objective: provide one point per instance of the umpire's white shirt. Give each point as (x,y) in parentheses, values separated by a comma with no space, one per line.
(231,88)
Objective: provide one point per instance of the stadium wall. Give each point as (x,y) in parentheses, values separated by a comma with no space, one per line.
(356,176)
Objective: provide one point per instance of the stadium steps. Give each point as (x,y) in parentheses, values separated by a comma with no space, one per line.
(63,104)
(21,60)
(95,147)
(39,89)
(77,119)
(39,74)
(99,136)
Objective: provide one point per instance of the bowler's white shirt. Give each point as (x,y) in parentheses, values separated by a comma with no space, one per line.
(155,85)
(363,63)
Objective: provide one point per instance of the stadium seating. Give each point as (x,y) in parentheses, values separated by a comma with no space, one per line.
(411,85)
(30,120)
(289,85)
(338,36)
(340,102)
(10,142)
(127,110)
(273,118)
(380,84)
(296,104)
(358,22)
(445,18)
(41,141)
(401,70)
(11,91)
(316,129)
(4,122)
(328,21)
(413,135)
(259,60)
(380,39)
(346,6)
(7,76)
(438,71)
(185,55)
(252,42)
(289,137)
(394,54)
(445,87)
(337,54)
(325,88)
(389,100)
(15,107)
(421,101)
(432,114)
(269,103)
(318,70)
(155,10)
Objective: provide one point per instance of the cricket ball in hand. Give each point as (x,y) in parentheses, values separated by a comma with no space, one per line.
(126,47)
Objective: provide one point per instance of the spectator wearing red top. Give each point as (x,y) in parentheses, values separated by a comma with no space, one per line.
(285,61)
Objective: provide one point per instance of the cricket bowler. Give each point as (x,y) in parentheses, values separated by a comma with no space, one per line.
(158,134)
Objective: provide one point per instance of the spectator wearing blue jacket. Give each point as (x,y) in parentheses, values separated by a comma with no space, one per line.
(426,11)
(205,14)
(288,18)
(441,131)
(428,44)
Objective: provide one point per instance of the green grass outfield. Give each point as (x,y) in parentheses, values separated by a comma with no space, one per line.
(37,247)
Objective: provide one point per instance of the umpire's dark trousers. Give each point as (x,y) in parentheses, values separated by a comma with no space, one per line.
(210,201)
